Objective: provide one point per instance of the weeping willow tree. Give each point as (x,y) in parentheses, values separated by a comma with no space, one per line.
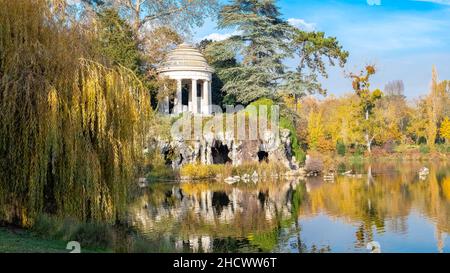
(71,129)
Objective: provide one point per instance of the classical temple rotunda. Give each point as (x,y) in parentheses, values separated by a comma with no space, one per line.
(189,68)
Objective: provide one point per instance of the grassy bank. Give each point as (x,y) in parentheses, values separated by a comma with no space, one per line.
(50,234)
(14,240)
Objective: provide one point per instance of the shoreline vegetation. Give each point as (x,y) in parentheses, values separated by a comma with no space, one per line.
(328,163)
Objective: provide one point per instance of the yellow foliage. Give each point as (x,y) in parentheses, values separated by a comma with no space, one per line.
(446,188)
(445,129)
(435,105)
(292,103)
(200,171)
(315,130)
(326,145)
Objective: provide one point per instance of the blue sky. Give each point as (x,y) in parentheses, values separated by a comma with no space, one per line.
(403,38)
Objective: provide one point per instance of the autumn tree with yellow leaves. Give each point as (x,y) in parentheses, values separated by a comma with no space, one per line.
(366,122)
(430,112)
(445,129)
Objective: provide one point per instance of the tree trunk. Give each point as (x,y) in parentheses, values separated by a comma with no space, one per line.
(368,140)
(137,15)
(368,143)
(369,148)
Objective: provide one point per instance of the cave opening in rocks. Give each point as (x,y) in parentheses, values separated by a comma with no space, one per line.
(181,159)
(168,155)
(220,153)
(263,156)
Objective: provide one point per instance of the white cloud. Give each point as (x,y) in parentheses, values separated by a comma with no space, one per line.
(296,22)
(73,2)
(220,36)
(217,36)
(301,24)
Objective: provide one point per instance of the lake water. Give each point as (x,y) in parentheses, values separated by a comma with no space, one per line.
(393,207)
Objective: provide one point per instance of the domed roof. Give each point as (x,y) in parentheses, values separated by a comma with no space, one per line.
(185,58)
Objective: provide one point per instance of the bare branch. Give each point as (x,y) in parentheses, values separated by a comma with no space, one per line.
(159,15)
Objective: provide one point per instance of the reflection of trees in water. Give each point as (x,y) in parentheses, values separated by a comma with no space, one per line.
(290,235)
(205,217)
(432,200)
(385,202)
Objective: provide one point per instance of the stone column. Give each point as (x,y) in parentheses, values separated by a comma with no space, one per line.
(194,99)
(209,97)
(178,104)
(205,98)
(189,99)
(166,105)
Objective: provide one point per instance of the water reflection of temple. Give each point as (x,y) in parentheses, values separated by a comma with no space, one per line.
(195,210)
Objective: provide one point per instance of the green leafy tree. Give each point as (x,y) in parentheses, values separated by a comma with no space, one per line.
(119,44)
(260,40)
(220,57)
(117,40)
(263,40)
(312,49)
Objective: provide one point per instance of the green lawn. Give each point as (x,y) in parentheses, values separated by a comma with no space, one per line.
(22,241)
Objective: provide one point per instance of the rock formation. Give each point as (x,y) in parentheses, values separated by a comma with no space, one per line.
(224,148)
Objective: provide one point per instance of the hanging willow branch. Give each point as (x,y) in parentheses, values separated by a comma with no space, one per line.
(71,130)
